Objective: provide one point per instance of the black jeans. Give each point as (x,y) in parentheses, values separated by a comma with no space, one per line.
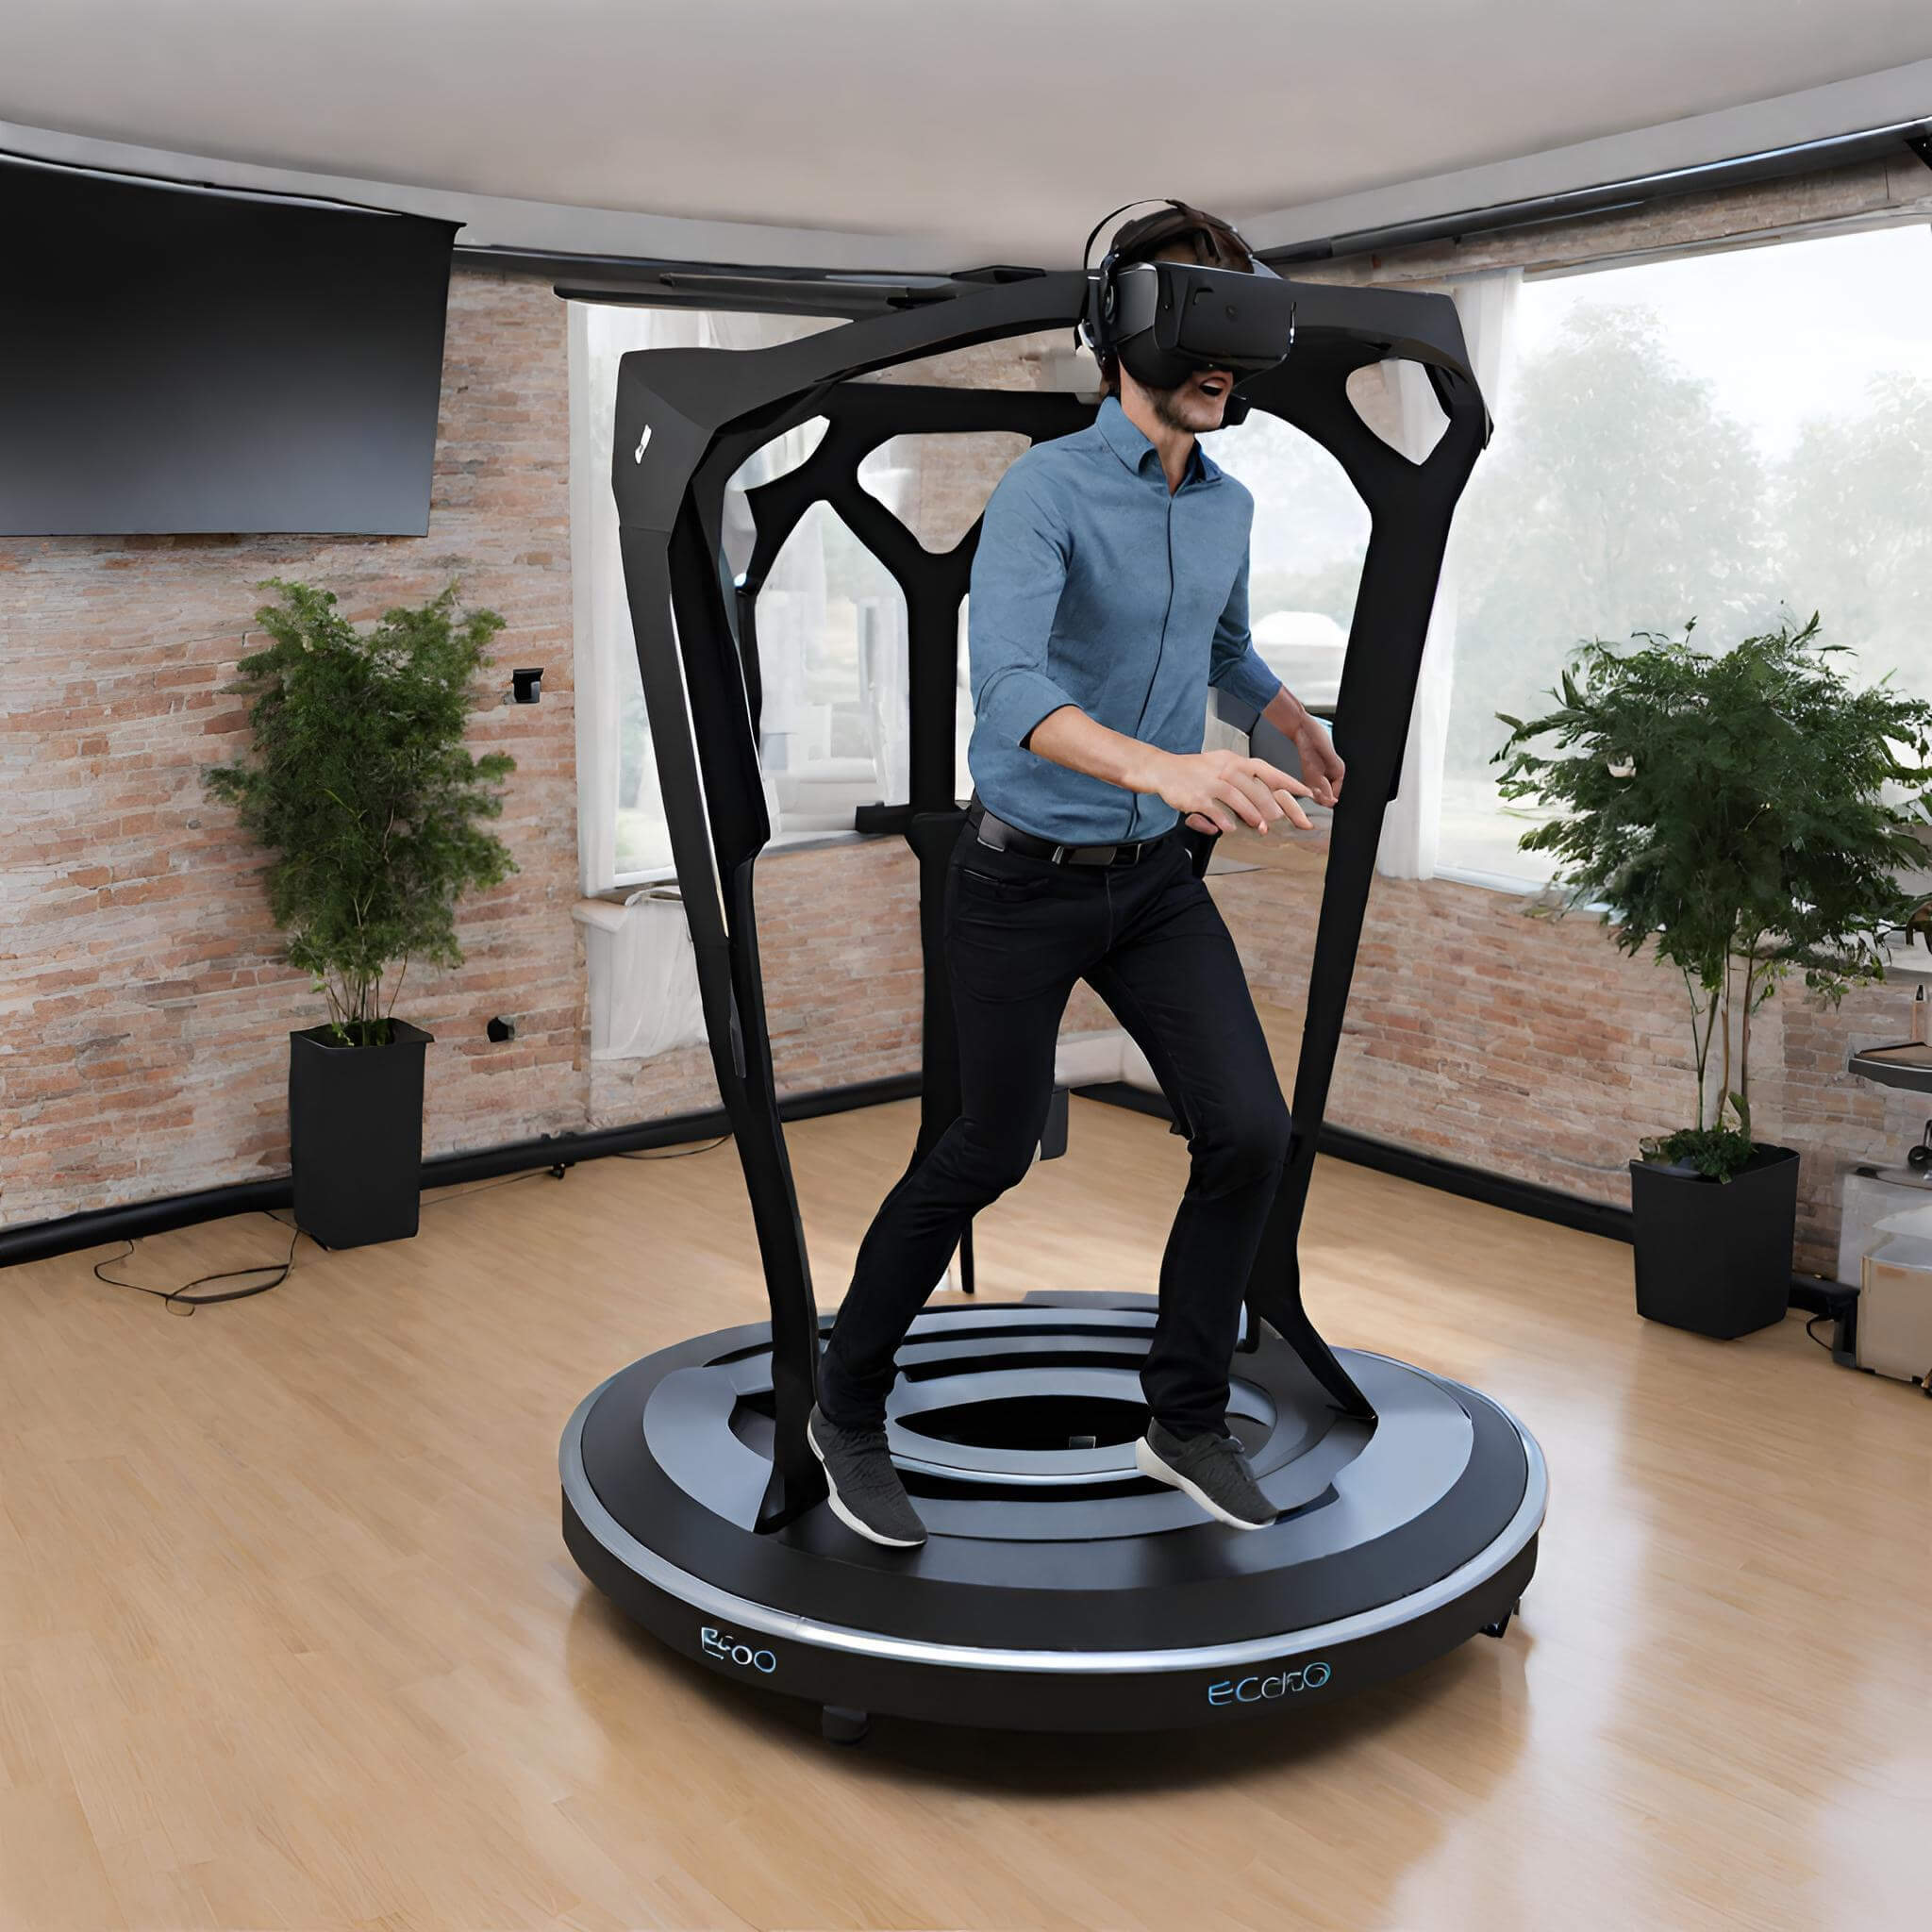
(1150,940)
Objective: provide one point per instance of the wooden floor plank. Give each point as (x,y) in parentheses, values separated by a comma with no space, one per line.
(288,1636)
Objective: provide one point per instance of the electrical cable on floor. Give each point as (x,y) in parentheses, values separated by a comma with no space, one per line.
(180,1301)
(441,1200)
(678,1152)
(1811,1329)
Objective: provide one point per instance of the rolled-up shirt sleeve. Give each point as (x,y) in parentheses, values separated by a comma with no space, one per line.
(1019,571)
(1234,664)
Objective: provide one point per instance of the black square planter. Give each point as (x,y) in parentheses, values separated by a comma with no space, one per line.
(356,1136)
(1715,1257)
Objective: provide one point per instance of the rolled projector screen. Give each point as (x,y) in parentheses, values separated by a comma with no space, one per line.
(181,360)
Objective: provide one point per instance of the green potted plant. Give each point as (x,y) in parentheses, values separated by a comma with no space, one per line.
(1745,813)
(361,789)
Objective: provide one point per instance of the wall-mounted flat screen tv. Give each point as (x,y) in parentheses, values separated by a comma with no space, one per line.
(181,360)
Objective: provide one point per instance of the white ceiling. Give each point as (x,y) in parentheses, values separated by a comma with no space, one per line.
(910,133)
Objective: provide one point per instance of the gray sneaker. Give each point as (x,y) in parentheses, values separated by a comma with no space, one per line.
(1213,1469)
(865,1492)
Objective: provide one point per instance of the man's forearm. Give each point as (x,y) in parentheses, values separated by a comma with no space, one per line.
(1286,712)
(1321,766)
(1069,737)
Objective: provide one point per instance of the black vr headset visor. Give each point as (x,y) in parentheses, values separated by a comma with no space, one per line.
(1164,320)
(1171,318)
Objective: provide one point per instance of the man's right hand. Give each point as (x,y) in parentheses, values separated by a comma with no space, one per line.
(1217,791)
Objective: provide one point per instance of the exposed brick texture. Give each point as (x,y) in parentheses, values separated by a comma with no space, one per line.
(143,1007)
(143,1011)
(1534,1048)
(838,942)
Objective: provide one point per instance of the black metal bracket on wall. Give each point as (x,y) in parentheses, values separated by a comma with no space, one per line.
(687,419)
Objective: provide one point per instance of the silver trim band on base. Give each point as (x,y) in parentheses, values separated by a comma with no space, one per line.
(741,1613)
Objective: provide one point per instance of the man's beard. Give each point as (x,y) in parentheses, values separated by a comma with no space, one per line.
(1167,410)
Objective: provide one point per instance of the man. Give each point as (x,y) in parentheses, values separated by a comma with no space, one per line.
(1109,589)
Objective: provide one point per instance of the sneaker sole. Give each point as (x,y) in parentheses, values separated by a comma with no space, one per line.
(847,1517)
(1150,1464)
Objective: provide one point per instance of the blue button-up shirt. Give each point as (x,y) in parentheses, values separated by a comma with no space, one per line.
(1094,586)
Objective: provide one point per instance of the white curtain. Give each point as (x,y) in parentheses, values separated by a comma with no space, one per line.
(597,607)
(890,472)
(1411,419)
(606,651)
(642,976)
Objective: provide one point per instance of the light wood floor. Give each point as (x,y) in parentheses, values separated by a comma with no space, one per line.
(288,1636)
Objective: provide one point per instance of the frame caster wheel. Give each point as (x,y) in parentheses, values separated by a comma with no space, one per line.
(1501,1626)
(839,1725)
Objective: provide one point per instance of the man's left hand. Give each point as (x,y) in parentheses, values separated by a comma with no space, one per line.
(1321,765)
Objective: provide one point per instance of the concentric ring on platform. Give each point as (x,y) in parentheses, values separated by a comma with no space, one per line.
(1407,1538)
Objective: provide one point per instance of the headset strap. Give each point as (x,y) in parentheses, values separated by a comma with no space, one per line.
(1180,207)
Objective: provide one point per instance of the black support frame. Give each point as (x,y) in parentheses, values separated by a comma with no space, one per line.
(687,418)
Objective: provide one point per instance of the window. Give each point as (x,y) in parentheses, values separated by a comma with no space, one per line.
(831,622)
(1734,436)
(1310,541)
(1304,557)
(623,838)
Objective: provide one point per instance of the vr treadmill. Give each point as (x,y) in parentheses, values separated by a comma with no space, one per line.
(1059,1590)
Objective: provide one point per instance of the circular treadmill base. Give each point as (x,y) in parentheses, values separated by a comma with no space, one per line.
(1057,1589)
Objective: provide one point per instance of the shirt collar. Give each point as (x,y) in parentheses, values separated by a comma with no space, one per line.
(1129,443)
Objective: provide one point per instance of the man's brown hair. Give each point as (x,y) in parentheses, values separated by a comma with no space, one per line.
(1206,239)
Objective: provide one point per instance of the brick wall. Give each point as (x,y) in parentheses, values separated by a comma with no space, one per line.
(143,1009)
(1533,1048)
(839,944)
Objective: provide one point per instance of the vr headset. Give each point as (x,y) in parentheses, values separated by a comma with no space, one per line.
(1164,320)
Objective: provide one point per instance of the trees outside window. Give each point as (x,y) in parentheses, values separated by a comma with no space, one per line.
(1736,438)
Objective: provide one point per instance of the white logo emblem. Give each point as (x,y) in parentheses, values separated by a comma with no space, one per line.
(644,443)
(727,1649)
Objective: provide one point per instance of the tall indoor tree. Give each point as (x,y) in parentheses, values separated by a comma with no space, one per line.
(1747,813)
(363,789)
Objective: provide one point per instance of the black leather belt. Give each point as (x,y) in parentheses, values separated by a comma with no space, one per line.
(1005,838)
